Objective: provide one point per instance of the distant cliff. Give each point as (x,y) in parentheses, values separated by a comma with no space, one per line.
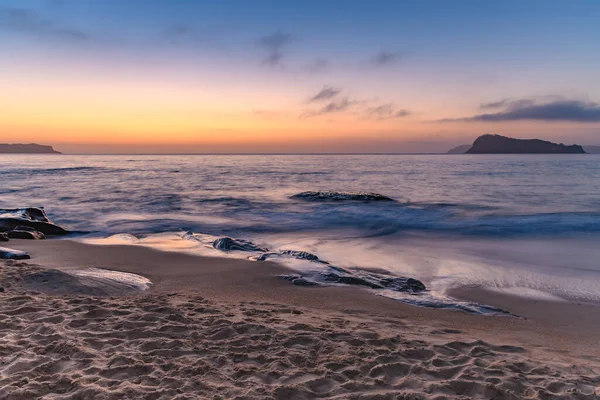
(31,148)
(462,149)
(496,144)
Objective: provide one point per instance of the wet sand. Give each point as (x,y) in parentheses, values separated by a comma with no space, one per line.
(226,328)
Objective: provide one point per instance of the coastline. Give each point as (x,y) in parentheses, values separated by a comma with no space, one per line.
(547,333)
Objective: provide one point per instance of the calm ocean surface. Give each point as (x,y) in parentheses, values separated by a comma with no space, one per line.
(524,224)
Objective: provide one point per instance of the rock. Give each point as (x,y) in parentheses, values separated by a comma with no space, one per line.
(403,284)
(358,278)
(31,218)
(496,144)
(298,280)
(289,277)
(3,237)
(227,244)
(349,280)
(303,282)
(1,289)
(24,228)
(340,196)
(19,234)
(300,255)
(303,255)
(10,254)
(374,281)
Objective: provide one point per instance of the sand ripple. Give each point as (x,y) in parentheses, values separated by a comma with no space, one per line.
(187,347)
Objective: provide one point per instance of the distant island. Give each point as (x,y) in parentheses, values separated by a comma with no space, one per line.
(31,148)
(497,144)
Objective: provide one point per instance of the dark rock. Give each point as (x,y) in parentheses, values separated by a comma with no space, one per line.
(349,280)
(265,256)
(3,237)
(11,254)
(289,277)
(300,255)
(403,284)
(227,244)
(375,281)
(303,282)
(496,144)
(340,196)
(298,280)
(18,234)
(24,228)
(32,218)
(1,289)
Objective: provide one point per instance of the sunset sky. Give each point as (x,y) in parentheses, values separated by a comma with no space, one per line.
(305,76)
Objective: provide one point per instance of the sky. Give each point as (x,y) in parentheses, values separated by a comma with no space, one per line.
(160,76)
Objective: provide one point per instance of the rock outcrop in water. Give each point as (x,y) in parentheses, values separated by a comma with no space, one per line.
(299,255)
(496,144)
(340,196)
(227,244)
(28,219)
(376,281)
(31,148)
(358,278)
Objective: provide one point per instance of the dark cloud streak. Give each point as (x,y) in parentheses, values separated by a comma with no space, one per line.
(386,111)
(528,109)
(340,105)
(385,58)
(327,93)
(274,44)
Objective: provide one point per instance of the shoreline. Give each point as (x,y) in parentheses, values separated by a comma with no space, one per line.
(235,280)
(230,328)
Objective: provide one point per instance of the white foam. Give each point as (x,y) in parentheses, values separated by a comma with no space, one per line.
(527,293)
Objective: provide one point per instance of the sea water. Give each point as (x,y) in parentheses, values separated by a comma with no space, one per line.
(526,225)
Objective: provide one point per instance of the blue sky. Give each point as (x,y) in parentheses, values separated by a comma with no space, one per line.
(433,62)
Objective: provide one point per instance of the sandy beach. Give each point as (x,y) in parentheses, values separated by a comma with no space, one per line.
(230,329)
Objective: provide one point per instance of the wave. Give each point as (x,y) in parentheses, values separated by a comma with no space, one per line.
(64,170)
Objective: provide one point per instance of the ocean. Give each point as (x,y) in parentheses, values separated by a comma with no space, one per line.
(526,225)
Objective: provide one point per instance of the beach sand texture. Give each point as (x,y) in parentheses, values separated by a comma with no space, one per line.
(226,339)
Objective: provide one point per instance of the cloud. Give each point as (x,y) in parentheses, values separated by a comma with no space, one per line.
(506,103)
(385,58)
(328,92)
(274,44)
(386,111)
(534,110)
(28,21)
(336,106)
